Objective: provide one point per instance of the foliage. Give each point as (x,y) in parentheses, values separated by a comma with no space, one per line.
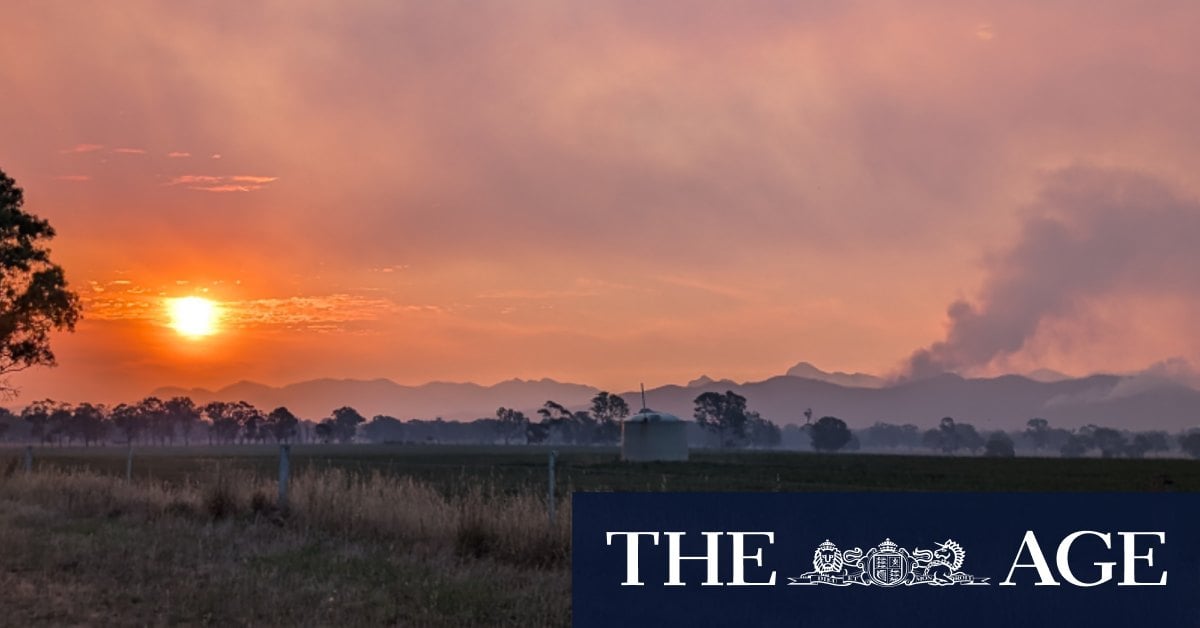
(511,423)
(609,410)
(34,297)
(830,434)
(281,424)
(724,415)
(345,423)
(999,445)
(1190,443)
(762,433)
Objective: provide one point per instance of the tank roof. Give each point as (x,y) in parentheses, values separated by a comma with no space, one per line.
(646,415)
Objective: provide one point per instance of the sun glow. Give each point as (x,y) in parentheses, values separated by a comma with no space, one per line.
(193,317)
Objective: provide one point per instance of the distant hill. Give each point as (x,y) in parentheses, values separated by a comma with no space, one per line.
(1001,402)
(991,403)
(856,380)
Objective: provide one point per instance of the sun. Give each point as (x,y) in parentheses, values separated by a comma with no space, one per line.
(193,317)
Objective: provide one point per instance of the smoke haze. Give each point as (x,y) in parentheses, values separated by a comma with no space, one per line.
(1093,232)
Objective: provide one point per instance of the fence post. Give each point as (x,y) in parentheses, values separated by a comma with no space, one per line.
(129,462)
(550,499)
(28,458)
(285,471)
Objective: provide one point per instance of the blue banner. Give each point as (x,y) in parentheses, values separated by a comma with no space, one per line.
(886,559)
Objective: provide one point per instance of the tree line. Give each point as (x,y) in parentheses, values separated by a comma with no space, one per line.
(178,419)
(720,420)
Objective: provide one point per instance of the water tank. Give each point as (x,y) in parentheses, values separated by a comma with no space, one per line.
(650,435)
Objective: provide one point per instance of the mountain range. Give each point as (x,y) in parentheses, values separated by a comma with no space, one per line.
(1006,402)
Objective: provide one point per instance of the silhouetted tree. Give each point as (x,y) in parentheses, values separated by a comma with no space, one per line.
(557,419)
(60,423)
(381,429)
(761,432)
(968,437)
(609,410)
(155,420)
(1037,430)
(281,424)
(724,415)
(345,423)
(1190,444)
(130,420)
(1110,442)
(536,432)
(888,436)
(89,422)
(945,437)
(1143,443)
(324,431)
(226,419)
(999,445)
(37,414)
(829,434)
(511,423)
(182,412)
(1075,446)
(34,298)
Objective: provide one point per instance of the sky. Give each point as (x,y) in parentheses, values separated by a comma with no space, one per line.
(608,192)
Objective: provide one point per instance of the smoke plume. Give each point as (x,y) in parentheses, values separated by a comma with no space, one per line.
(1092,232)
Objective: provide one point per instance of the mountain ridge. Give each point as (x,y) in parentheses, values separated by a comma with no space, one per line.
(1002,402)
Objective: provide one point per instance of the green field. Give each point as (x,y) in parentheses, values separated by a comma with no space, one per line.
(518,468)
(391,535)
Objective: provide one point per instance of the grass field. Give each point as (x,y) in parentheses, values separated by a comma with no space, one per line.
(399,535)
(519,468)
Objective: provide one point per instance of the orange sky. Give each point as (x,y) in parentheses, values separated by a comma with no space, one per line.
(597,192)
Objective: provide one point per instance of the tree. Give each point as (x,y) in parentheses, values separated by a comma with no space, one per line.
(281,424)
(89,422)
(226,419)
(37,414)
(999,445)
(1075,446)
(830,434)
(761,432)
(556,418)
(949,437)
(968,437)
(1037,430)
(1190,444)
(60,423)
(182,411)
(324,431)
(345,423)
(1110,442)
(383,429)
(724,415)
(511,423)
(34,297)
(609,410)
(155,419)
(130,420)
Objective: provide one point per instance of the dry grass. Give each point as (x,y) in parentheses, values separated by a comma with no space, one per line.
(86,548)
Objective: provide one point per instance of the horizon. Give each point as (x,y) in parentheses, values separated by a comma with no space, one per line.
(420,193)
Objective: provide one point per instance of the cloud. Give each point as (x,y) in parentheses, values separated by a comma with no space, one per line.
(73,177)
(129,151)
(81,148)
(330,311)
(177,154)
(212,183)
(1093,233)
